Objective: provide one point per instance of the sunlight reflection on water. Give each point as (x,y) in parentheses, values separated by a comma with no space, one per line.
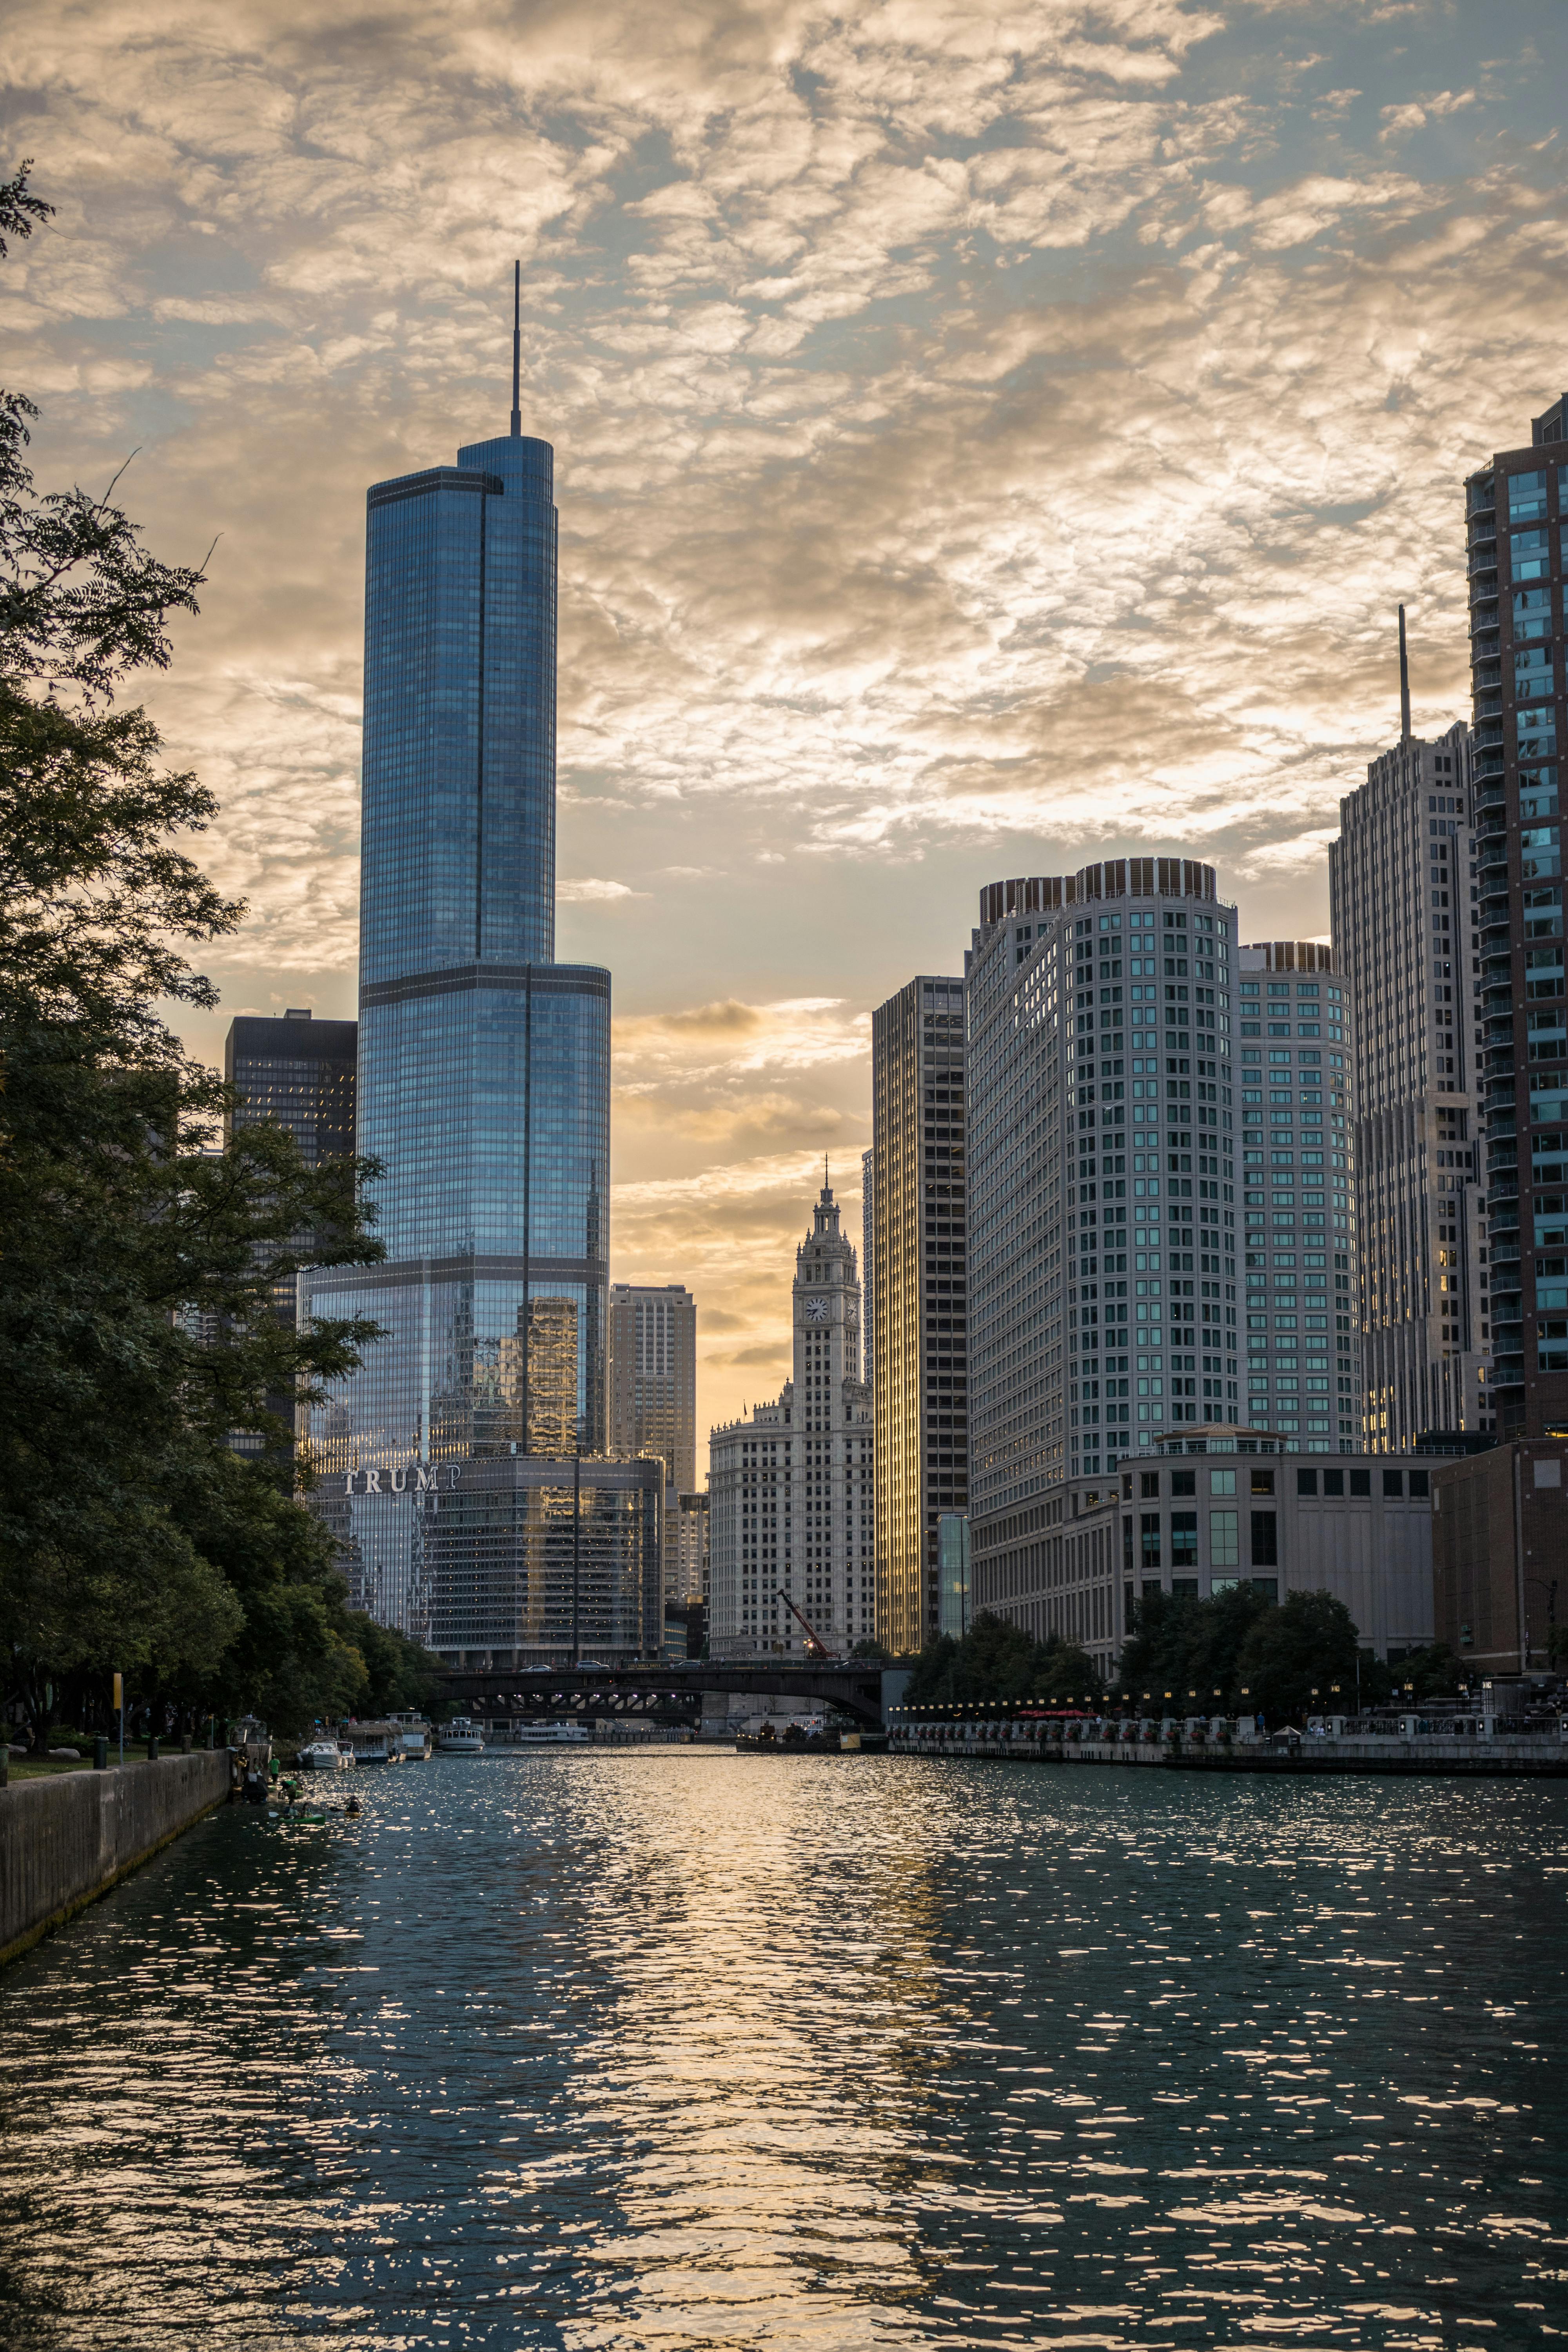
(686,2049)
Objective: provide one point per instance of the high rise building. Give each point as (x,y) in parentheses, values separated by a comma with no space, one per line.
(1102,1173)
(483,1064)
(869,1266)
(653,1398)
(691,1549)
(1294,1060)
(653,1377)
(1503,1516)
(918,1343)
(1517,516)
(526,1561)
(1401,887)
(298,1073)
(791,1487)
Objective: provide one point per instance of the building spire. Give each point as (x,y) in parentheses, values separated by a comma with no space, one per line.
(1403,683)
(517,354)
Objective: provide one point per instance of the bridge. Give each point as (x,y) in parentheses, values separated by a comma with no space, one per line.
(669,1691)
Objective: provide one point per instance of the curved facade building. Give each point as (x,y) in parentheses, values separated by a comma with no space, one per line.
(484,1067)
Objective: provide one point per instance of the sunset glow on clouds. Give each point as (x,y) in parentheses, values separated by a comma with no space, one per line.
(987,439)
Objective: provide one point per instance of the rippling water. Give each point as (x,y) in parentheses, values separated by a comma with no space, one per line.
(686,2049)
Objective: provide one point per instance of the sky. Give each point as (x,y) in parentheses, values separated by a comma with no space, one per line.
(989,439)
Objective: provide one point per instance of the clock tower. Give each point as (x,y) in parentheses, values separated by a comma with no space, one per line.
(791,1498)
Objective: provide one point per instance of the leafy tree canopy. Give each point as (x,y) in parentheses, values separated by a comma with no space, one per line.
(143,1247)
(997,1661)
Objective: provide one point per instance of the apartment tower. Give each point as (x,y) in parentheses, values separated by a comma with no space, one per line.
(1402,880)
(1294,1061)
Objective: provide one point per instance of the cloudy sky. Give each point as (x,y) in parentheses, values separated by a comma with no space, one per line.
(987,438)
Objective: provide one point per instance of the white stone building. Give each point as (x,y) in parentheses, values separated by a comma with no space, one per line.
(790,1488)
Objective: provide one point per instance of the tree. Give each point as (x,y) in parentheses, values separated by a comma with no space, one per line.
(1302,1647)
(1182,1646)
(998,1662)
(140,1258)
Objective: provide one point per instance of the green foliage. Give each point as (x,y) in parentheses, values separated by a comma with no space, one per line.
(872,1653)
(997,1661)
(1306,1645)
(1180,1646)
(401,1678)
(1432,1673)
(140,1259)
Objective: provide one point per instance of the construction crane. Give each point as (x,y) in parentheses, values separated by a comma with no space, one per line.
(815,1647)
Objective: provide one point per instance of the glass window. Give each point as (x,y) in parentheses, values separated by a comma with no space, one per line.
(1393,1482)
(1223,1539)
(1360,1481)
(1184,1538)
(1306,1482)
(1222,1482)
(1263,1482)
(1333,1482)
(1265,1539)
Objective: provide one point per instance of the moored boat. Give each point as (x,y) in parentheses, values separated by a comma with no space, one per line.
(550,1732)
(323,1756)
(413,1734)
(371,1743)
(459,1738)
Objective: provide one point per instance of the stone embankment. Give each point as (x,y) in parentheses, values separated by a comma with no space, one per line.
(67,1839)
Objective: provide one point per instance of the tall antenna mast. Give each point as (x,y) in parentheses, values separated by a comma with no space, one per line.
(1403,677)
(517,360)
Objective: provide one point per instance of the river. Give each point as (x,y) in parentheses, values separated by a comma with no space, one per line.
(684,2049)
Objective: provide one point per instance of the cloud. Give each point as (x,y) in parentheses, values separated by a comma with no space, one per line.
(987,439)
(587,890)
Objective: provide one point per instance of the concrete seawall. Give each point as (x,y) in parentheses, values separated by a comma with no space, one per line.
(66,1840)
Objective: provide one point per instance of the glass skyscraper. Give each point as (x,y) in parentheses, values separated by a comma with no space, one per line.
(484,1065)
(918,1340)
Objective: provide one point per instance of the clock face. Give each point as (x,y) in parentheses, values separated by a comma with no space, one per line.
(816,1310)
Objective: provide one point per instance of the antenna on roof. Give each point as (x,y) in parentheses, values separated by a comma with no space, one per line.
(1404,681)
(516,351)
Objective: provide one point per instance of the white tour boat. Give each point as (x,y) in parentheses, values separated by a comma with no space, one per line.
(460,1737)
(324,1755)
(547,1732)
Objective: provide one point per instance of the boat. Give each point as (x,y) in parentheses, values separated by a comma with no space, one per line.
(549,1732)
(371,1743)
(413,1734)
(459,1738)
(324,1755)
(804,1735)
